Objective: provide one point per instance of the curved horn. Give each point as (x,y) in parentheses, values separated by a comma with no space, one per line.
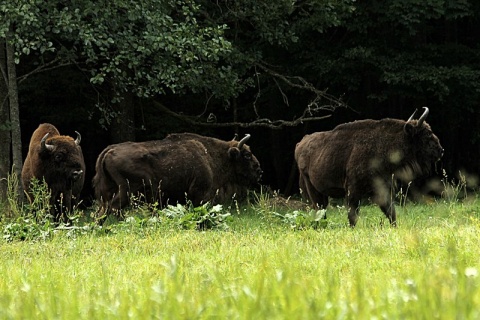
(422,118)
(44,144)
(242,142)
(235,137)
(78,139)
(413,115)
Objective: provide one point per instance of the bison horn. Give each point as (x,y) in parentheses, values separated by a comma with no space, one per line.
(78,139)
(413,115)
(235,137)
(45,145)
(242,142)
(422,118)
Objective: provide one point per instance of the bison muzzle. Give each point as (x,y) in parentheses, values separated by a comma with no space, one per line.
(363,159)
(181,167)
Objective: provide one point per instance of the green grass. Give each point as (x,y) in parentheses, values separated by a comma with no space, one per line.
(260,268)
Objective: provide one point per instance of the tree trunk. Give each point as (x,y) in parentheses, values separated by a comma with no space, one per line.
(123,125)
(14,114)
(5,160)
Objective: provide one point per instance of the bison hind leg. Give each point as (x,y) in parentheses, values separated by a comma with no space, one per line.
(384,198)
(354,210)
(112,203)
(388,209)
(317,199)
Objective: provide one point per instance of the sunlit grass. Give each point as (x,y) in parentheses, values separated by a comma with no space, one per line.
(260,268)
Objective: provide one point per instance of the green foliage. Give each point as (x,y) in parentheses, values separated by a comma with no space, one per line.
(454,191)
(24,24)
(202,217)
(28,221)
(425,268)
(24,229)
(301,220)
(38,209)
(149,47)
(13,198)
(296,214)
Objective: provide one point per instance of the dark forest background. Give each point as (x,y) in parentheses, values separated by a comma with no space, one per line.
(118,71)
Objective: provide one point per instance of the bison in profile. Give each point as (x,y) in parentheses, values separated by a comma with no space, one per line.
(363,159)
(181,167)
(58,160)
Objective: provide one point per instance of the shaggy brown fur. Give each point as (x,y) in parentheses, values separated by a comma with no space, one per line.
(59,160)
(181,167)
(362,159)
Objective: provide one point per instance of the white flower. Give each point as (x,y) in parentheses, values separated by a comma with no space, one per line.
(471,272)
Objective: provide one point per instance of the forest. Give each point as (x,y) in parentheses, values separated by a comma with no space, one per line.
(138,70)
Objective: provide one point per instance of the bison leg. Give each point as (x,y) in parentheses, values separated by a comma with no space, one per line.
(318,200)
(120,200)
(384,199)
(354,209)
(389,211)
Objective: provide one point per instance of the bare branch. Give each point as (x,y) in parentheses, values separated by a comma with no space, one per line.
(301,83)
(259,93)
(265,123)
(284,96)
(54,64)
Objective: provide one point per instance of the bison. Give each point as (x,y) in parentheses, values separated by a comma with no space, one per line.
(181,167)
(363,159)
(58,160)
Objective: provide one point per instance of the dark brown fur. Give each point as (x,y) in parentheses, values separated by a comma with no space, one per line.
(362,159)
(181,167)
(63,168)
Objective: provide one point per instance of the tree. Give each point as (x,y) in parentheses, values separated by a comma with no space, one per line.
(142,48)
(5,163)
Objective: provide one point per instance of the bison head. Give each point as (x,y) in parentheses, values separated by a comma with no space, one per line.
(428,149)
(64,155)
(246,164)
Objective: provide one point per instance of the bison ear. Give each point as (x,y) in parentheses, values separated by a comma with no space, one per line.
(234,153)
(409,129)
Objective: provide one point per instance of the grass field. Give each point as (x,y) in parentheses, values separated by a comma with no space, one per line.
(260,268)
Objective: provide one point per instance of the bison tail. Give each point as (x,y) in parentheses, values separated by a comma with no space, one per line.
(102,181)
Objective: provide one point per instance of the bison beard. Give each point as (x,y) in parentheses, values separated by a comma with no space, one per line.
(363,159)
(59,161)
(181,167)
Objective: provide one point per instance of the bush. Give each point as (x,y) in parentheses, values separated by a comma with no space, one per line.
(301,220)
(203,217)
(27,221)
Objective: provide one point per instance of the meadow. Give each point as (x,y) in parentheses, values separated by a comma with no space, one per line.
(266,261)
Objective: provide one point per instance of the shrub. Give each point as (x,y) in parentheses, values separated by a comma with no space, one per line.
(28,221)
(301,220)
(203,217)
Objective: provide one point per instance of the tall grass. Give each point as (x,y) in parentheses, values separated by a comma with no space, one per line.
(262,267)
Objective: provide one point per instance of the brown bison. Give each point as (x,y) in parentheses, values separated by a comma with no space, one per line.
(181,167)
(59,161)
(363,159)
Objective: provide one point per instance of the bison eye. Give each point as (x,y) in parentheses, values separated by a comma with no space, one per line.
(247,156)
(58,157)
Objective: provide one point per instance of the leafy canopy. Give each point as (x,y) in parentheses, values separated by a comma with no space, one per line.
(147,46)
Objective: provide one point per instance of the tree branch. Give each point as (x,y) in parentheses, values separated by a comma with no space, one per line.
(265,123)
(301,83)
(45,67)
